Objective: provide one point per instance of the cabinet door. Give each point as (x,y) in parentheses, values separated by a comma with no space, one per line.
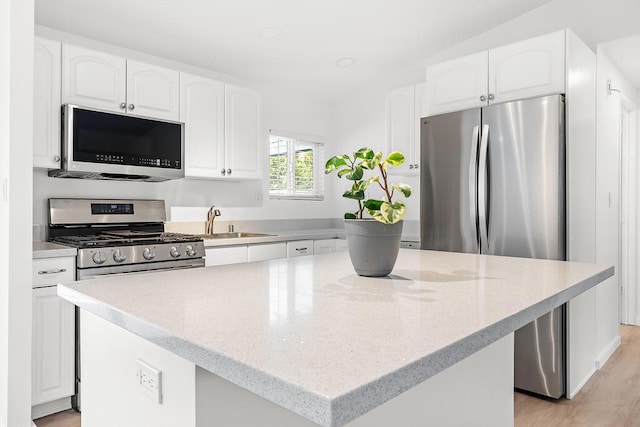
(202,111)
(47,57)
(341,245)
(93,79)
(53,364)
(528,68)
(324,246)
(243,134)
(153,91)
(222,255)
(299,248)
(458,84)
(266,251)
(400,128)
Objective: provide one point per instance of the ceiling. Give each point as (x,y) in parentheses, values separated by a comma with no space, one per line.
(383,36)
(625,53)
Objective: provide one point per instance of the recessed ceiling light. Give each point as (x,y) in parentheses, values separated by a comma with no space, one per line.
(270,33)
(347,61)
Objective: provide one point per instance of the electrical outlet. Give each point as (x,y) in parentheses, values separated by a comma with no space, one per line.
(259,196)
(149,381)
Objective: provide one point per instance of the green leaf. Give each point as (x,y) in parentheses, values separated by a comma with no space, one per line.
(356,174)
(373,204)
(356,195)
(405,189)
(334,163)
(395,159)
(389,213)
(369,181)
(343,172)
(350,215)
(363,153)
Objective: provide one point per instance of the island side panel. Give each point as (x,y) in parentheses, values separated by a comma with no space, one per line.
(111,395)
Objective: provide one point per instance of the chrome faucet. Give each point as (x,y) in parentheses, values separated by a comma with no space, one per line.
(211,215)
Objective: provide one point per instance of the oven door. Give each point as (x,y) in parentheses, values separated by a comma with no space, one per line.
(90,273)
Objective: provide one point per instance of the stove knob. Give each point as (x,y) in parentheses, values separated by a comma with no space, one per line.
(175,252)
(119,256)
(148,254)
(191,250)
(99,257)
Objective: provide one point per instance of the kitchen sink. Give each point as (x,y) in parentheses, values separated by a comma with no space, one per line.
(233,235)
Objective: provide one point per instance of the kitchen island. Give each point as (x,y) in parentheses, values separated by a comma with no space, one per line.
(308,335)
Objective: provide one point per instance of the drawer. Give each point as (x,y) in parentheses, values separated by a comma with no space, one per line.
(299,248)
(222,255)
(48,271)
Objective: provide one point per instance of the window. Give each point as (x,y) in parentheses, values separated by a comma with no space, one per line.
(296,167)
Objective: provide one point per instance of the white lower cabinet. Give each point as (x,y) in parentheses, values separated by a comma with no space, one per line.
(53,335)
(266,251)
(222,255)
(324,246)
(341,245)
(299,248)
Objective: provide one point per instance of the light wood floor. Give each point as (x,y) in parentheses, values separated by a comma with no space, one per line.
(610,398)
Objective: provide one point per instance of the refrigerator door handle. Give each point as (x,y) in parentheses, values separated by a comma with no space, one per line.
(482,190)
(473,184)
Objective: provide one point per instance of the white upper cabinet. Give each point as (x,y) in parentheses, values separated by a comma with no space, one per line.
(529,68)
(525,69)
(458,84)
(242,128)
(403,109)
(109,82)
(202,111)
(153,91)
(46,103)
(93,79)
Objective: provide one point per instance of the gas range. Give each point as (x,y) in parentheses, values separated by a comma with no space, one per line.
(121,236)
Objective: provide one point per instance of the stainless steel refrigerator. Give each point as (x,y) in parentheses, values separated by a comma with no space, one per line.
(493,182)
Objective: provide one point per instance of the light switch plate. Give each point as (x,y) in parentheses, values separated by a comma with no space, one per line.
(149,380)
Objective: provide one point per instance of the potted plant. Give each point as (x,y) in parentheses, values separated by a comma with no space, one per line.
(373,242)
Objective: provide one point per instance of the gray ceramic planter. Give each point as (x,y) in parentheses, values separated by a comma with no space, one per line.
(373,246)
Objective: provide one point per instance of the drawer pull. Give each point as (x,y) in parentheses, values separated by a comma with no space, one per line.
(59,270)
(301,249)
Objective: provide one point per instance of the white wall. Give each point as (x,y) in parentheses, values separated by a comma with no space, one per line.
(282,109)
(16,94)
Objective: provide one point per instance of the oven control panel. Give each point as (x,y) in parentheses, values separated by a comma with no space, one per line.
(139,254)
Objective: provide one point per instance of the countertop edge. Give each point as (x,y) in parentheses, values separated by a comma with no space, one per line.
(42,250)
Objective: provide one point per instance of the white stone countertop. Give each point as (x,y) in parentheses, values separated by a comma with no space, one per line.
(52,250)
(278,236)
(310,335)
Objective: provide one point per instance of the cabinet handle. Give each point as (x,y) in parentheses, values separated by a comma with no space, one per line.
(491,96)
(410,166)
(56,159)
(123,105)
(416,166)
(131,107)
(483,98)
(301,249)
(60,270)
(228,171)
(223,172)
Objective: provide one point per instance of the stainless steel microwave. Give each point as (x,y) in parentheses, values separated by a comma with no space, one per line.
(106,145)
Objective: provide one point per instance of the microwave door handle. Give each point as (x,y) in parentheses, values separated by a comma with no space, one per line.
(482,190)
(473,187)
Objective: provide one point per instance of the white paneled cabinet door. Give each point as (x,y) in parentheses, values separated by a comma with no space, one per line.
(202,111)
(53,346)
(153,91)
(47,56)
(93,79)
(457,84)
(399,125)
(528,68)
(267,251)
(243,134)
(223,255)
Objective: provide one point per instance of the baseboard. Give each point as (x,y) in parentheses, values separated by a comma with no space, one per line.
(49,408)
(572,393)
(606,352)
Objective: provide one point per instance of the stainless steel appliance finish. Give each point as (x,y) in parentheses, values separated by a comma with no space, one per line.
(493,183)
(115,237)
(100,144)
